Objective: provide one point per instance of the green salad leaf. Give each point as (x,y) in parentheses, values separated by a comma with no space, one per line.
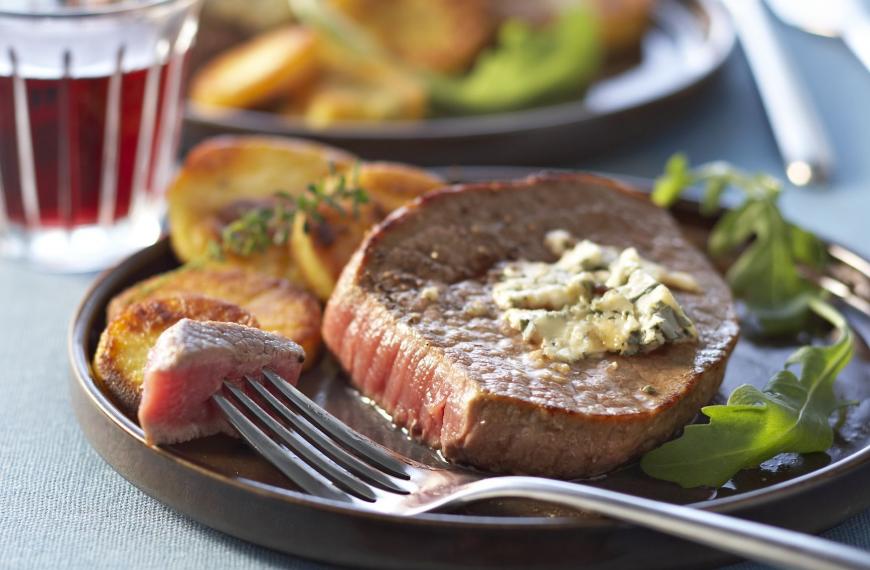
(791,414)
(766,274)
(528,65)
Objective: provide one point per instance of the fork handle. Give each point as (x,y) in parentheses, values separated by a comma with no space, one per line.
(760,542)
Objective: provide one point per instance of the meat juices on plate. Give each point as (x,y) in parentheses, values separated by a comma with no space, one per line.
(189,364)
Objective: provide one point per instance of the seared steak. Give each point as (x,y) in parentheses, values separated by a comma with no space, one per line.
(189,364)
(413,322)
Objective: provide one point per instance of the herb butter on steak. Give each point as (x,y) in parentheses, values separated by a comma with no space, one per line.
(414,323)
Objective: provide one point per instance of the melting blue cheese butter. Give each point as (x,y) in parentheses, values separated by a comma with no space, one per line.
(595,299)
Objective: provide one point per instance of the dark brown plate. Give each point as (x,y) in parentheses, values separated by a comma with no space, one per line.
(686,44)
(222,484)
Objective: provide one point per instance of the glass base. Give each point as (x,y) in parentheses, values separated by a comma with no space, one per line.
(83,249)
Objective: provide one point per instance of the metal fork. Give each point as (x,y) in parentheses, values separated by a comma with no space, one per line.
(327,459)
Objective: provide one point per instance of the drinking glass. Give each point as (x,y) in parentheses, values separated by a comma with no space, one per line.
(90,115)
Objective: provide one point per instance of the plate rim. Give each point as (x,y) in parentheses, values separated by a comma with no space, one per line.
(721,38)
(82,379)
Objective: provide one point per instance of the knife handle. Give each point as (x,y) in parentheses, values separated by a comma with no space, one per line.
(796,126)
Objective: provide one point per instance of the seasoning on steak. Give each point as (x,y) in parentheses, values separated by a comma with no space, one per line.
(413,322)
(189,364)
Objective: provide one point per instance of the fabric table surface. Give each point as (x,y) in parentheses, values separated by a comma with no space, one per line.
(61,506)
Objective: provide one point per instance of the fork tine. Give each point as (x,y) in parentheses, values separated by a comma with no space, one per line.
(326,445)
(285,460)
(305,450)
(842,291)
(325,421)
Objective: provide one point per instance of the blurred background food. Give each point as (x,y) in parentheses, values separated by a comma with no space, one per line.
(327,61)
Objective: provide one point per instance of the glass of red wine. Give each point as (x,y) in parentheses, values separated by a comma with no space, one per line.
(90,114)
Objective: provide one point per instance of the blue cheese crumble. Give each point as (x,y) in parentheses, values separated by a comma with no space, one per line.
(595,299)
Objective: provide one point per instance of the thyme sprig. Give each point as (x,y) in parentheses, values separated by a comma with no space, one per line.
(263,227)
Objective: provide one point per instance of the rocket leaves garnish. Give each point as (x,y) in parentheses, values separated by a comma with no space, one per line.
(260,228)
(791,415)
(766,273)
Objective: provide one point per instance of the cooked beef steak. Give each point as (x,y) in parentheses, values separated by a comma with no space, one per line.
(413,322)
(188,365)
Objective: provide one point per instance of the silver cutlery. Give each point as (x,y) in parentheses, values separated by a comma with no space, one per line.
(796,126)
(327,459)
(845,19)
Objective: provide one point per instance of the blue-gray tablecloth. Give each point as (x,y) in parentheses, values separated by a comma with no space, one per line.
(61,506)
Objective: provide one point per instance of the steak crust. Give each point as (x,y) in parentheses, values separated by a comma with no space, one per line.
(413,322)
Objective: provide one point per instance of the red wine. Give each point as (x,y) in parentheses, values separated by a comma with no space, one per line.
(96,142)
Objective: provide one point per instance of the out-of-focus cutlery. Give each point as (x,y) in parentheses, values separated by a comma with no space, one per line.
(846,19)
(796,126)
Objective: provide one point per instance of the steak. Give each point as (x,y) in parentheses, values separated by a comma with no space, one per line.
(414,324)
(189,364)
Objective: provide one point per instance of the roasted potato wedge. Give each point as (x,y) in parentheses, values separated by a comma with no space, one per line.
(277,305)
(122,352)
(224,176)
(259,70)
(436,35)
(322,248)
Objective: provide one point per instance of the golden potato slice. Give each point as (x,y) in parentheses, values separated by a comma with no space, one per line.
(257,71)
(437,35)
(392,185)
(225,176)
(277,305)
(344,99)
(353,87)
(122,352)
(623,24)
(323,248)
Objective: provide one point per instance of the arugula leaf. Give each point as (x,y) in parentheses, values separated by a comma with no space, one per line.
(790,415)
(766,274)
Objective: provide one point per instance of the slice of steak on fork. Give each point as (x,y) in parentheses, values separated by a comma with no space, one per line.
(189,364)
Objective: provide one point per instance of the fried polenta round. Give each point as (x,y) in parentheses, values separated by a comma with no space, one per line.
(226,176)
(122,352)
(278,306)
(259,70)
